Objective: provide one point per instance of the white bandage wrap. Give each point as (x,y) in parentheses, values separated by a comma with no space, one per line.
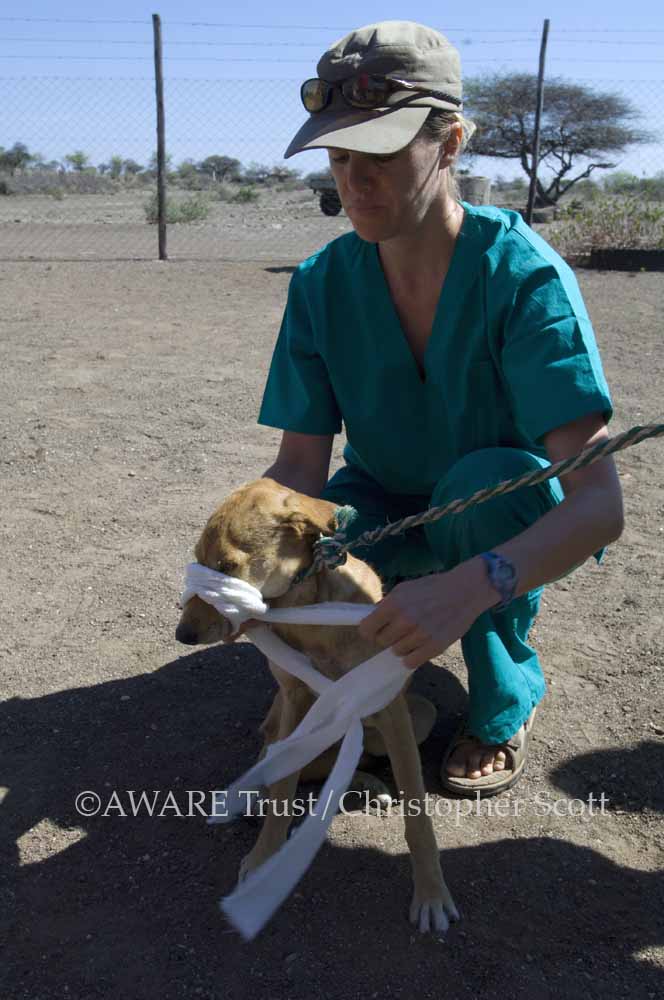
(336,714)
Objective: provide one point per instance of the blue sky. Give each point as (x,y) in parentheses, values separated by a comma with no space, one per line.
(232,71)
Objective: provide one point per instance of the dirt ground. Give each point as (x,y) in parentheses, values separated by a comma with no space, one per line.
(280,225)
(129,395)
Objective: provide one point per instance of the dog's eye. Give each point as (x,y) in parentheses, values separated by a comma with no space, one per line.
(227,566)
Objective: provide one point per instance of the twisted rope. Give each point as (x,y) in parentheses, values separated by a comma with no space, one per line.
(331,551)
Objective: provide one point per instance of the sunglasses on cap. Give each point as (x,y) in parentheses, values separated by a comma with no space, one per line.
(364,91)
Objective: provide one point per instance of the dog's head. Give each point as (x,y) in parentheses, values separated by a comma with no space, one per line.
(263,534)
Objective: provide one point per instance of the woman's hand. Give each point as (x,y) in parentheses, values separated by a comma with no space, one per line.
(421,618)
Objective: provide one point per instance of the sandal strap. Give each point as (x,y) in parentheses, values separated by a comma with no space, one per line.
(515,742)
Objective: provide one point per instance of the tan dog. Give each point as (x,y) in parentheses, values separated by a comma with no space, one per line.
(264,534)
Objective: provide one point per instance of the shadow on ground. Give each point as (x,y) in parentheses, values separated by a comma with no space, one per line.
(130,907)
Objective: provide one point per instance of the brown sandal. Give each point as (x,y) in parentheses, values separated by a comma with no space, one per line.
(497,781)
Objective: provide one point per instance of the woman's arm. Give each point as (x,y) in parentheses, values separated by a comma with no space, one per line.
(590,516)
(421,618)
(303,462)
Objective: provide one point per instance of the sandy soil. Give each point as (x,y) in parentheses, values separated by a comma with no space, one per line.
(129,395)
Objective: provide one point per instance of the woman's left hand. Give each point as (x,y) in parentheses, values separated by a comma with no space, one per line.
(421,618)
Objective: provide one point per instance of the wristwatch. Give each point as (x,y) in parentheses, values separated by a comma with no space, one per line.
(502,577)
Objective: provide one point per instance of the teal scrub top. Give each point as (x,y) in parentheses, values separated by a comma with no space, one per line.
(511,356)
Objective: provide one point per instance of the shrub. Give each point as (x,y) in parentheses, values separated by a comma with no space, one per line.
(187,210)
(192,209)
(292,184)
(246,194)
(43,181)
(225,192)
(625,183)
(192,181)
(607,222)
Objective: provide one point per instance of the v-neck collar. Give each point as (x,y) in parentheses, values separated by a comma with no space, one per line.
(389,309)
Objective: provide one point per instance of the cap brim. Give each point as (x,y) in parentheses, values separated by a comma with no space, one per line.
(384,131)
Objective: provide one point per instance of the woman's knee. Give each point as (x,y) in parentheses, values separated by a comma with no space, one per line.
(493,521)
(479,469)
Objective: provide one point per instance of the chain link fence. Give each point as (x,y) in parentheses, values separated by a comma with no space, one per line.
(78,178)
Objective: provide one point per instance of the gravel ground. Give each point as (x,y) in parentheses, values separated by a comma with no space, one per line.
(129,400)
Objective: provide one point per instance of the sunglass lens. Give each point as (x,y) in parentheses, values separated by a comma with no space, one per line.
(365,91)
(314,95)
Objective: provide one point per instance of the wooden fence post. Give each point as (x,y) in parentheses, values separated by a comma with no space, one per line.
(161,137)
(538,115)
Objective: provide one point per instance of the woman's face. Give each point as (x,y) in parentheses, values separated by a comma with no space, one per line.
(388,195)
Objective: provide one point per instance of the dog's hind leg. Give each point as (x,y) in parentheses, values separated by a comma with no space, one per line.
(368,787)
(365,784)
(422,715)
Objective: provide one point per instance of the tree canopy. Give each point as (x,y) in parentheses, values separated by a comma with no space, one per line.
(578,123)
(78,160)
(221,168)
(16,158)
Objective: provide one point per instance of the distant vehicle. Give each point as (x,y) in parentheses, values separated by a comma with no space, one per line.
(324,186)
(476,190)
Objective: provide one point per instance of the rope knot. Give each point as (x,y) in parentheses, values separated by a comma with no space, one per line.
(329,548)
(344,517)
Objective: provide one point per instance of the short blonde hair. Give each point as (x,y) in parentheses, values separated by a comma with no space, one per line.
(437,128)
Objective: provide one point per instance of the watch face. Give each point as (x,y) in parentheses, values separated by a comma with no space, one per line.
(505,573)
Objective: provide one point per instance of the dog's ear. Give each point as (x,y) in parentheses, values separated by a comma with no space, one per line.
(311,518)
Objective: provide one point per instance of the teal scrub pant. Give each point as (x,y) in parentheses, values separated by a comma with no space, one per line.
(505,679)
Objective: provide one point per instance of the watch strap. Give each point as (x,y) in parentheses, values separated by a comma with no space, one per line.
(502,577)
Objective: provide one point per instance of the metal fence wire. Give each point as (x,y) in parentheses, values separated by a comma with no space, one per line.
(77,167)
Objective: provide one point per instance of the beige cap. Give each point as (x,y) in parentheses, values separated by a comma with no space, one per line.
(402,49)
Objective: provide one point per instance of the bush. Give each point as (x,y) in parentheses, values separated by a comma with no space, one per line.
(292,184)
(244,195)
(608,222)
(225,192)
(187,210)
(238,195)
(625,183)
(76,182)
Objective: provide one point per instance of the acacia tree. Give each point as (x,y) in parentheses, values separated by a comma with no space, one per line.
(78,160)
(221,168)
(115,165)
(577,123)
(16,158)
(131,168)
(153,164)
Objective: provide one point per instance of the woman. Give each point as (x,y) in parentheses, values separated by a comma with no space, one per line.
(454,345)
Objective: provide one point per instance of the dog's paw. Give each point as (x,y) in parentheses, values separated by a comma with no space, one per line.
(433,909)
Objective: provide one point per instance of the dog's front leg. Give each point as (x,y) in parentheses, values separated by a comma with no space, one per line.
(278,805)
(432,905)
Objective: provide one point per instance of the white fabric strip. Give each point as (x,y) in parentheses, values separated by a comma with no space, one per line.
(336,714)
